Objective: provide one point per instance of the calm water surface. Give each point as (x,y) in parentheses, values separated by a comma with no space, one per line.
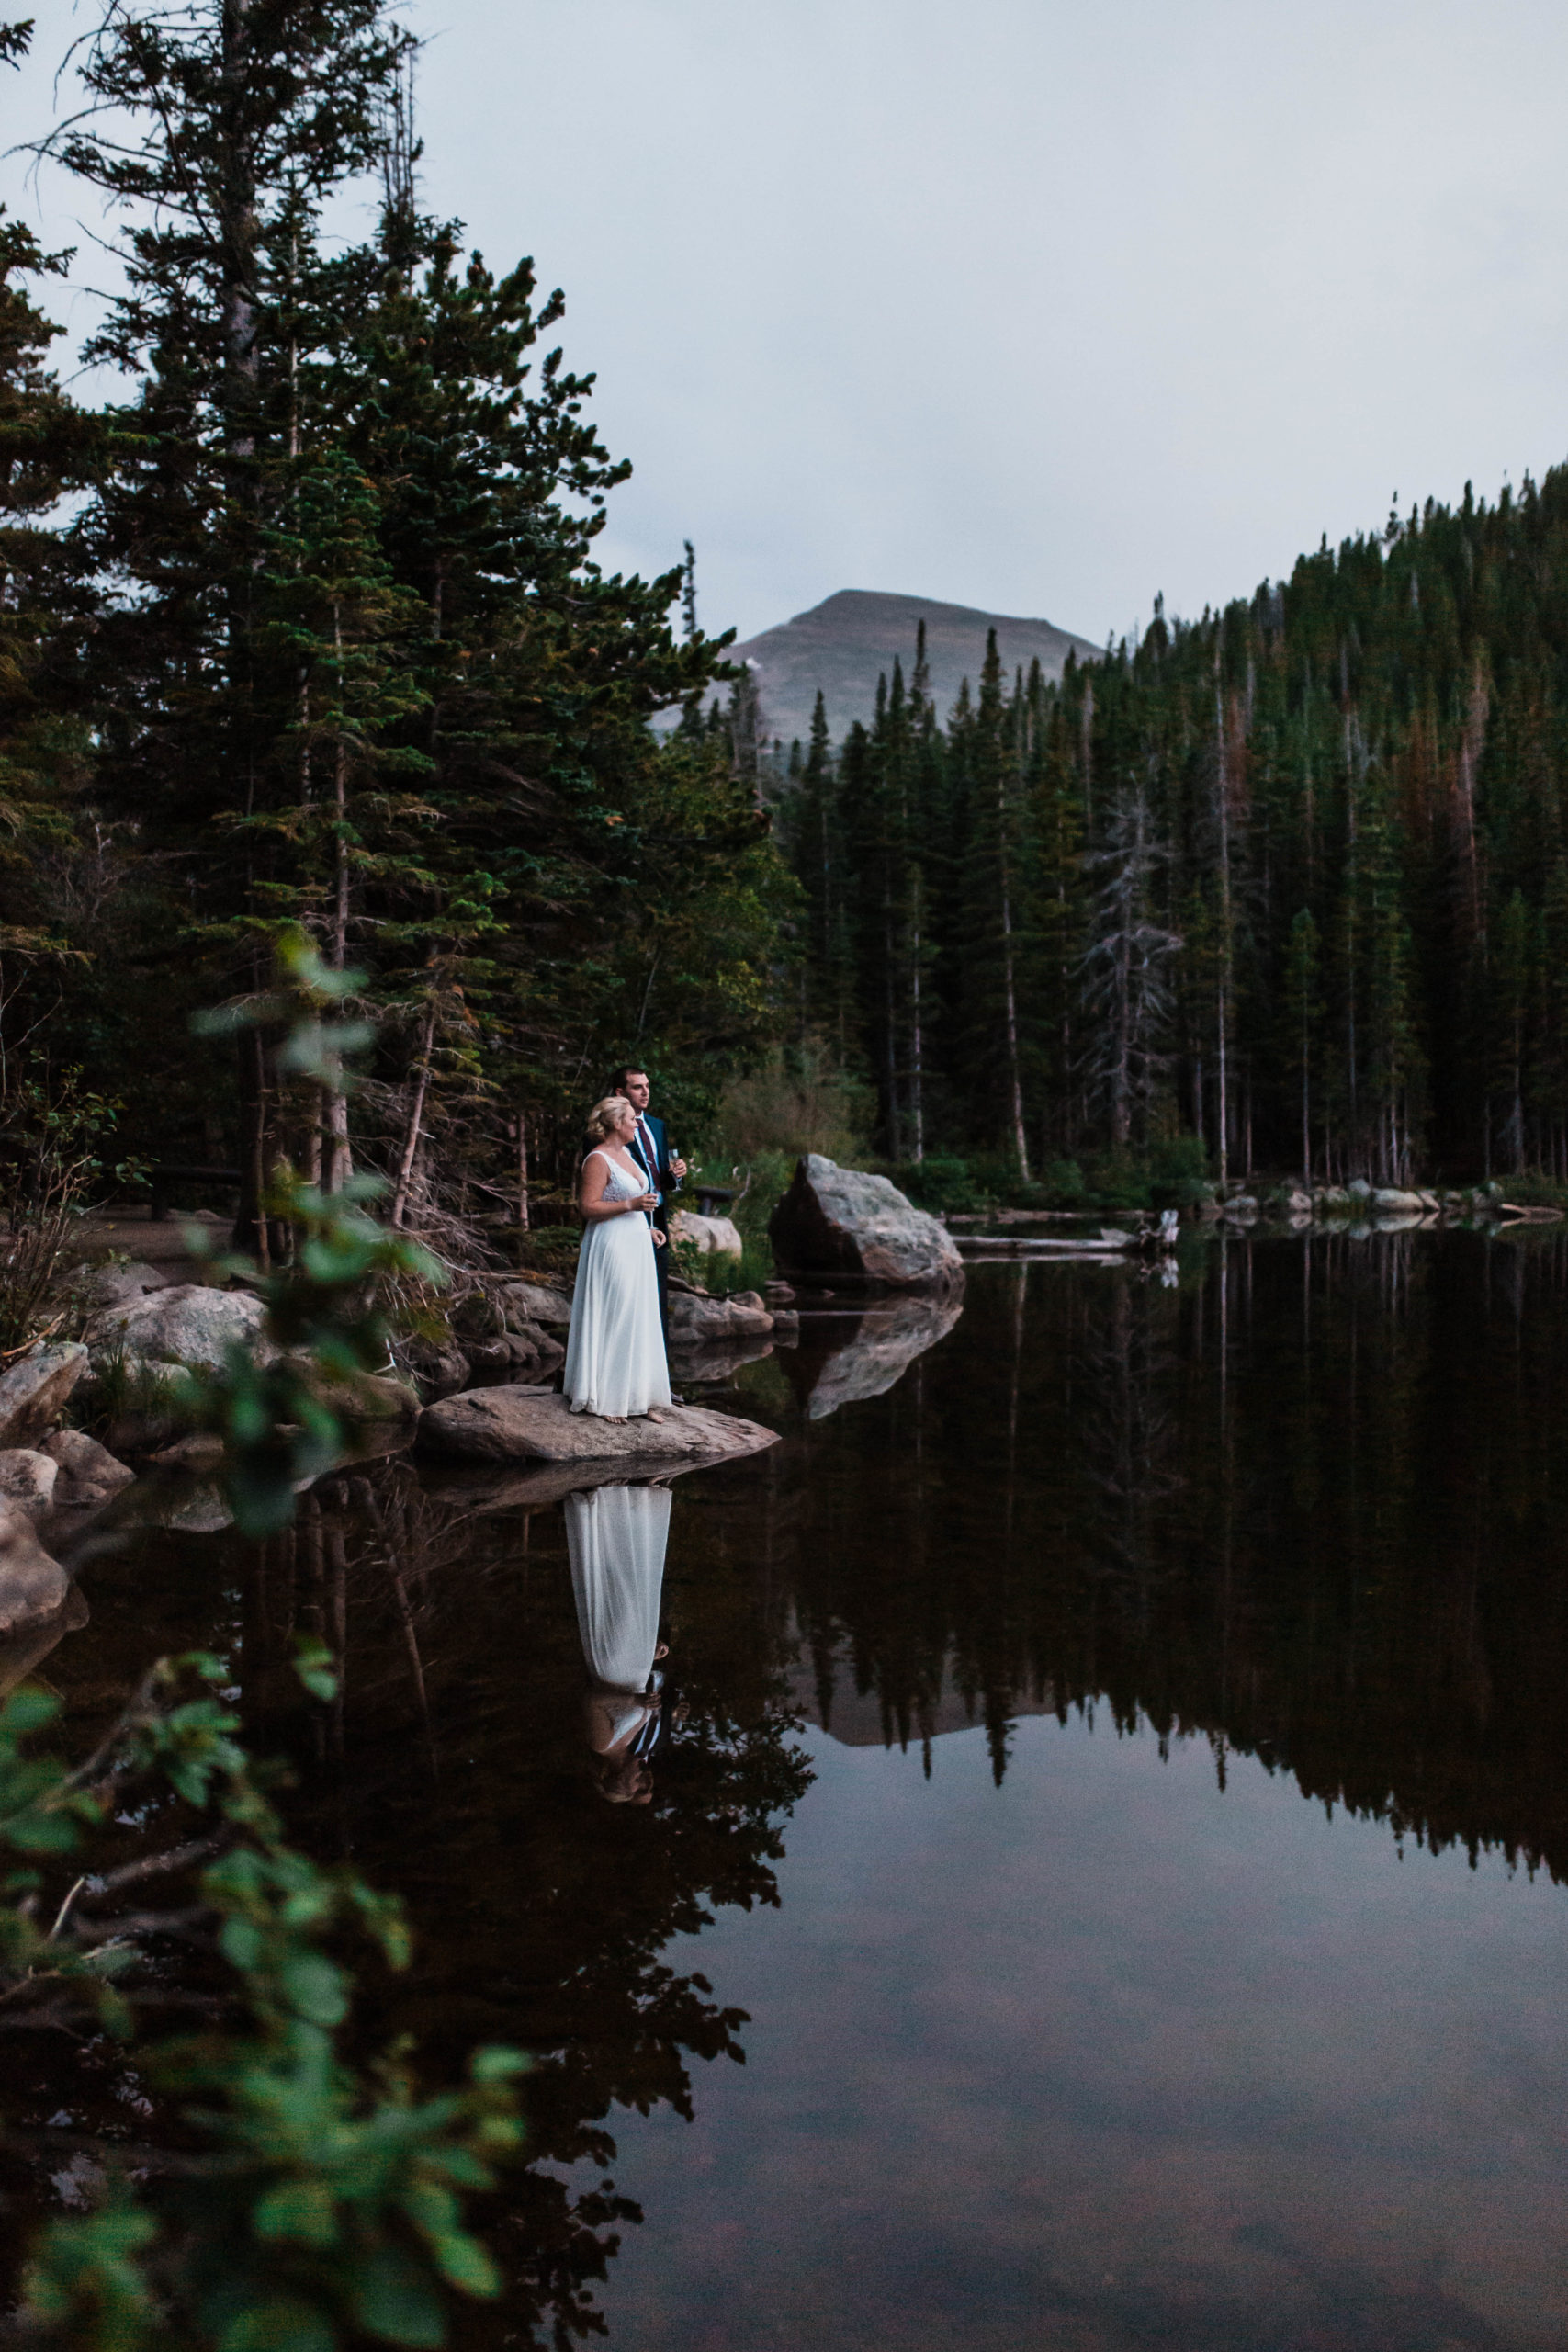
(1110,1789)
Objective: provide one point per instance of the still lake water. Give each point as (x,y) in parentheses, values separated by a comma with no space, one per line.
(1112,1792)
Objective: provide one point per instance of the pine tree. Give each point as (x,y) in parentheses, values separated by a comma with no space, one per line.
(1303,1008)
(364,669)
(998,939)
(1126,983)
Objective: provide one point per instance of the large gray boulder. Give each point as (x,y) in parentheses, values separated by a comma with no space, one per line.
(24,1650)
(188,1326)
(32,1583)
(33,1392)
(524,1304)
(89,1473)
(716,1236)
(27,1479)
(697,1322)
(529,1354)
(538,1425)
(117,1285)
(841,1221)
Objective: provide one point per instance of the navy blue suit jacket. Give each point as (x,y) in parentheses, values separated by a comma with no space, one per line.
(664,1180)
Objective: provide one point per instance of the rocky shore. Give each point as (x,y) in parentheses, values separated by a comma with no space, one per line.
(875,1283)
(1376,1204)
(484,1394)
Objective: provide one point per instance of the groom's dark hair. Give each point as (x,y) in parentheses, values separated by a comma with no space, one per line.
(627,1070)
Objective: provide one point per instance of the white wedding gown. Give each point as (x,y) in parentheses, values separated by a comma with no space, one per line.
(615,1350)
(616,1537)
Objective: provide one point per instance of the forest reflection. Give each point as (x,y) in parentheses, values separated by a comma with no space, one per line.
(1309,1504)
(1306,1504)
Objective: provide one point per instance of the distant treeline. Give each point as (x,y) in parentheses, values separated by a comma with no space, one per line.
(1291,878)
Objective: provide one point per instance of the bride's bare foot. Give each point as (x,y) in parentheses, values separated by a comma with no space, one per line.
(654,1414)
(619,1419)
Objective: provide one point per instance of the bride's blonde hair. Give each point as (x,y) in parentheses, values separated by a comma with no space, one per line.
(605,1117)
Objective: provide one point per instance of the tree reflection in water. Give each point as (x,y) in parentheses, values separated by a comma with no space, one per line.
(455,1768)
(1308,1505)
(1311,1504)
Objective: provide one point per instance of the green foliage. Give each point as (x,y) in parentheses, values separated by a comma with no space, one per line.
(1062,1181)
(56,1141)
(327,2205)
(936,1184)
(796,1102)
(289,1419)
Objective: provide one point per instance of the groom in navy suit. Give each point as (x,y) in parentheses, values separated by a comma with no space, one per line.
(650,1148)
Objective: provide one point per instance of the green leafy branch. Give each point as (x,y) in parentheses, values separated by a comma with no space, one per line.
(324,2202)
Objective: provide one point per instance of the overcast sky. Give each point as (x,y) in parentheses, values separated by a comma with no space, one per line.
(1022,305)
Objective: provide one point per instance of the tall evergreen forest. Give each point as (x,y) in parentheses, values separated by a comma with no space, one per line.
(304,627)
(1292,879)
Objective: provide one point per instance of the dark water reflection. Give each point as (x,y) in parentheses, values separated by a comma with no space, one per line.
(1056,2038)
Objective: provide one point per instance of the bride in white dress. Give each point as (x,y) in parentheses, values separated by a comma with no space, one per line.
(616,1537)
(615,1365)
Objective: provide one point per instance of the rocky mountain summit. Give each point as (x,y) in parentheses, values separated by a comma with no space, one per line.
(844,644)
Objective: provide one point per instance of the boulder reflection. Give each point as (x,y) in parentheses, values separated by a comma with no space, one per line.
(846,1360)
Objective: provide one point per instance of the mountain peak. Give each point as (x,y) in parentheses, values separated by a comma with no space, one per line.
(842,645)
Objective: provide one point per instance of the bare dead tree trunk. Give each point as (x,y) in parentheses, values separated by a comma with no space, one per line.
(892,1016)
(1088,755)
(339,1151)
(416,1113)
(1121,1069)
(339,1155)
(1020,1136)
(917,1035)
(238,322)
(252,1231)
(1222,1070)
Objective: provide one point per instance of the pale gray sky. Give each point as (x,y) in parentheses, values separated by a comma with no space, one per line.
(1018,304)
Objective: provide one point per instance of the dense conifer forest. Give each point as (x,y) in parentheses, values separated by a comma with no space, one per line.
(303,626)
(1292,879)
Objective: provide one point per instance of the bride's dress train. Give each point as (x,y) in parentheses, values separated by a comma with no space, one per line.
(615,1350)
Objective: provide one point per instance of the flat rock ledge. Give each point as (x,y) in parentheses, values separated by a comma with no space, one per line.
(537,1425)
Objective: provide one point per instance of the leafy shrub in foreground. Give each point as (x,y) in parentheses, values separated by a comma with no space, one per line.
(323,2204)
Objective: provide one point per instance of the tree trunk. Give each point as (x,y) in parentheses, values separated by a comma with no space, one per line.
(416,1115)
(339,1152)
(1020,1138)
(340,837)
(1223,1055)
(891,1016)
(1122,1073)
(250,1225)
(916,1038)
(1306,1111)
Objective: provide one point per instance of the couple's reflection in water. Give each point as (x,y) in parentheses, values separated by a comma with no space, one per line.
(616,1539)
